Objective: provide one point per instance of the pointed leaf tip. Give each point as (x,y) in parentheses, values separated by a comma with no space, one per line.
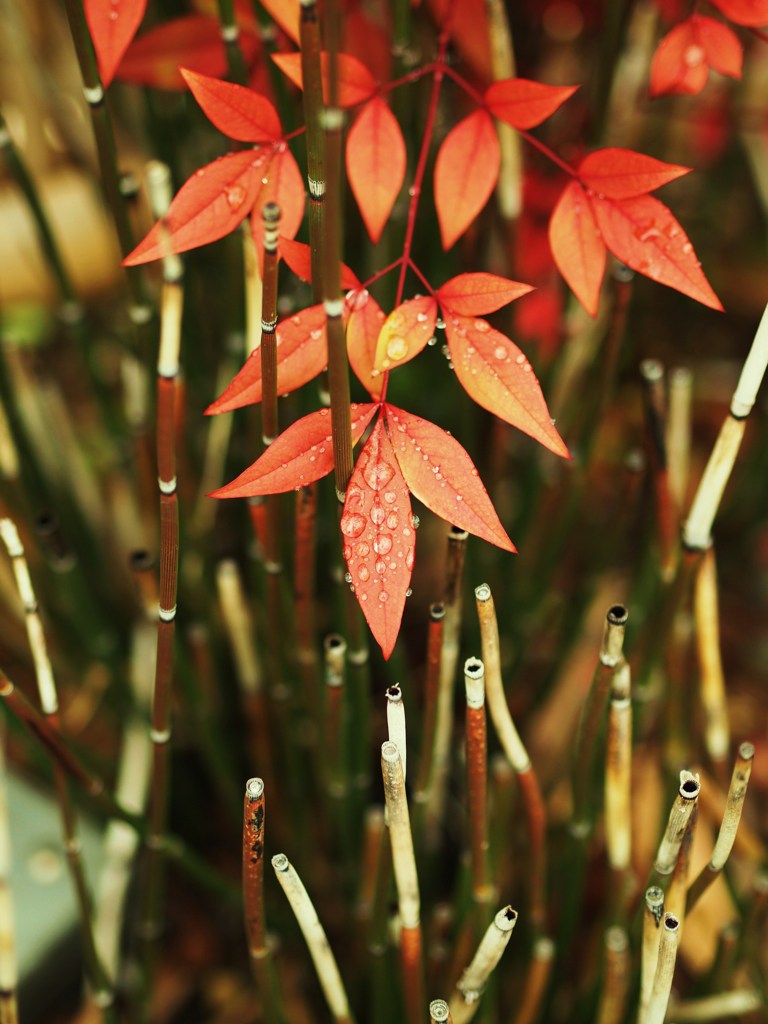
(236,111)
(577,246)
(466,172)
(622,173)
(475,294)
(525,104)
(375,164)
(112,26)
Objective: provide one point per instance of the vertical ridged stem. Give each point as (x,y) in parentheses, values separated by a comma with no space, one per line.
(677,891)
(677,823)
(396,732)
(254,290)
(305,547)
(262,964)
(470,986)
(421,791)
(312,97)
(678,437)
(515,753)
(230,35)
(9,973)
(449,658)
(315,937)
(618,780)
(536,981)
(160,728)
(665,969)
(103,993)
(726,837)
(370,865)
(652,373)
(477,784)
(653,910)
(717,734)
(406,881)
(335,739)
(510,183)
(613,997)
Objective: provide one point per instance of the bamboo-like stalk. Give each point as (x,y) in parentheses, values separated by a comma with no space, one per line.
(268,347)
(262,964)
(652,373)
(440,1012)
(678,437)
(477,783)
(698,527)
(9,972)
(470,986)
(103,992)
(396,732)
(675,899)
(312,97)
(717,734)
(722,1006)
(142,566)
(239,627)
(515,752)
(680,812)
(510,183)
(230,36)
(613,997)
(421,790)
(335,739)
(726,837)
(370,865)
(406,881)
(305,544)
(254,291)
(536,981)
(653,910)
(315,937)
(618,772)
(449,659)
(665,969)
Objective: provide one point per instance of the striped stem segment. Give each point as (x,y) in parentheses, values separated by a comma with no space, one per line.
(665,969)
(230,36)
(470,986)
(653,911)
(477,784)
(421,791)
(312,97)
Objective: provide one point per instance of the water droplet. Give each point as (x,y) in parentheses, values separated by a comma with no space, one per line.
(377,475)
(409,559)
(357,299)
(235,197)
(383,596)
(265,181)
(382,545)
(314,335)
(393,521)
(354,494)
(482,326)
(520,359)
(693,56)
(415,522)
(432,341)
(378,515)
(347,577)
(362,549)
(347,551)
(687,248)
(397,347)
(381,566)
(363,573)
(440,324)
(408,592)
(390,497)
(352,524)
(113,15)
(500,352)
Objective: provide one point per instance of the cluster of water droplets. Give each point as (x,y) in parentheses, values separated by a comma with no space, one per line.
(114,10)
(402,332)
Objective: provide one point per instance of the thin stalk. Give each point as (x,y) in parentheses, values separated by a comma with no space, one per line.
(717,733)
(726,837)
(653,911)
(406,881)
(315,937)
(665,969)
(678,439)
(618,783)
(254,291)
(421,790)
(230,35)
(471,984)
(396,732)
(652,372)
(335,739)
(510,183)
(516,754)
(536,981)
(262,963)
(449,659)
(477,785)
(9,972)
(370,866)
(713,801)
(616,973)
(723,1006)
(439,1012)
(142,566)
(305,546)
(675,900)
(680,813)
(312,97)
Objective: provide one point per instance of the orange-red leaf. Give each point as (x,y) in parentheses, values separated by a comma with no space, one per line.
(721,45)
(405,332)
(287,14)
(379,537)
(300,455)
(496,374)
(363,327)
(644,234)
(622,173)
(194,41)
(298,256)
(577,248)
(302,352)
(745,12)
(237,112)
(679,64)
(442,476)
(525,104)
(375,164)
(112,24)
(355,84)
(466,171)
(475,294)
(283,184)
(208,206)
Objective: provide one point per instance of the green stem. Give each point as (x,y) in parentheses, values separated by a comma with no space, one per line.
(230,34)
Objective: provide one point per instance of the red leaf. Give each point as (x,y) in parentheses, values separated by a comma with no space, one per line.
(745,12)
(473,294)
(496,374)
(577,247)
(237,112)
(287,14)
(363,328)
(368,36)
(298,256)
(466,171)
(622,173)
(379,537)
(356,83)
(721,45)
(644,234)
(375,164)
(300,455)
(442,476)
(525,104)
(405,332)
(112,24)
(208,206)
(468,23)
(679,63)
(302,352)
(283,184)
(194,41)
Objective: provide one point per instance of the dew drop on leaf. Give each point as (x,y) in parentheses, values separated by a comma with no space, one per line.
(482,326)
(389,497)
(357,299)
(362,549)
(393,521)
(377,515)
(235,197)
(383,596)
(377,475)
(363,573)
(347,577)
(352,524)
(397,347)
(382,545)
(381,566)
(693,56)
(409,559)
